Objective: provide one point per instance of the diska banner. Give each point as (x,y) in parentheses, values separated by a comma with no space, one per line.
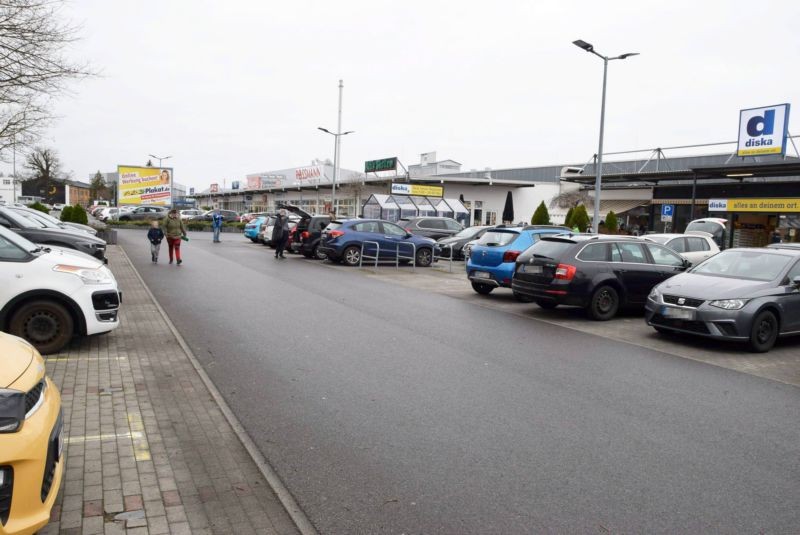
(144,185)
(763,130)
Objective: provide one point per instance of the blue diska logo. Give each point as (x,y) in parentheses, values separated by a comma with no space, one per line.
(760,126)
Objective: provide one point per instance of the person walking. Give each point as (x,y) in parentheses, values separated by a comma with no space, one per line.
(175,232)
(216,224)
(155,235)
(280,233)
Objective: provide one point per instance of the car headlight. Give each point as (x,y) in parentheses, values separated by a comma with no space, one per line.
(98,275)
(12,410)
(655,295)
(729,304)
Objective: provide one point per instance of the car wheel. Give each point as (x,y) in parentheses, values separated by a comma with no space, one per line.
(352,255)
(483,289)
(424,257)
(764,332)
(319,255)
(604,303)
(45,324)
(522,298)
(662,330)
(253,240)
(547,305)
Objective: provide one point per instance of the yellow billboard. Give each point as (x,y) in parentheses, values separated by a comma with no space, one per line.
(144,185)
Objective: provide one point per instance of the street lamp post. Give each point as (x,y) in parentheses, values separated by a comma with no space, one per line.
(599,173)
(159,158)
(336,135)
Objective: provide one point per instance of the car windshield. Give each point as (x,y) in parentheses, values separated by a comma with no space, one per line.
(497,238)
(468,232)
(13,237)
(25,222)
(38,218)
(754,265)
(659,239)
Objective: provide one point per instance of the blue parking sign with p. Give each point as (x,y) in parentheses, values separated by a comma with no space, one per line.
(667,210)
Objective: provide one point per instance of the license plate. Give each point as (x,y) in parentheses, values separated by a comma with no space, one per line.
(482,275)
(677,313)
(530,269)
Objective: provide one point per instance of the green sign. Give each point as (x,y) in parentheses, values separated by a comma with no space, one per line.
(386,164)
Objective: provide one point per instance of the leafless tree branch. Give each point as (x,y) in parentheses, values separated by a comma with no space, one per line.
(33,67)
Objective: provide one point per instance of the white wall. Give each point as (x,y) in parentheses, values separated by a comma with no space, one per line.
(7,190)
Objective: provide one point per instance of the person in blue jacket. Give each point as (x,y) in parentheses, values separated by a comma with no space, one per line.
(216,224)
(155,235)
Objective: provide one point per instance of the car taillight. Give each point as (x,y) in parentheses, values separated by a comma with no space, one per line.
(304,235)
(408,230)
(511,256)
(335,233)
(565,272)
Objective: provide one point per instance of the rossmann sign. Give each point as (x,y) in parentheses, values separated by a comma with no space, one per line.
(763,130)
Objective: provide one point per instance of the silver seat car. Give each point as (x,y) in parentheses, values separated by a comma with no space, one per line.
(749,295)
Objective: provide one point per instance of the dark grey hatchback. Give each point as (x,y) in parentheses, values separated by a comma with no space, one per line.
(749,295)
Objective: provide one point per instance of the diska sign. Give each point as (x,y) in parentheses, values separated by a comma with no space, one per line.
(763,130)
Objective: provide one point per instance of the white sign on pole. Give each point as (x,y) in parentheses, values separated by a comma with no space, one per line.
(763,130)
(667,211)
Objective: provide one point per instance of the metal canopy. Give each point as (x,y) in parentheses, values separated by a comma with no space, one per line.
(732,172)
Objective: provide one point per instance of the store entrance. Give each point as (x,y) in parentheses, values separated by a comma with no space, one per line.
(758,230)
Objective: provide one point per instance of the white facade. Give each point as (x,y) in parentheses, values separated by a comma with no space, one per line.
(7,187)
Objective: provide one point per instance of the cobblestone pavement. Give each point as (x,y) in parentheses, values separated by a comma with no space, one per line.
(149,450)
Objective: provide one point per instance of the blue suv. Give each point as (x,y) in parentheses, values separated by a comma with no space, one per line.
(492,259)
(342,240)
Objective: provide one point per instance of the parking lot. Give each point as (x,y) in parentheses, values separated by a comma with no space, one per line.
(782,363)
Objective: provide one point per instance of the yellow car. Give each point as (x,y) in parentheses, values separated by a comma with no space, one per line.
(31,438)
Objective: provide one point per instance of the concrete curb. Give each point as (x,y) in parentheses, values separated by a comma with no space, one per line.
(299,518)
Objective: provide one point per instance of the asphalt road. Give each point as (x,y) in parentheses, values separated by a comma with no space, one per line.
(387,409)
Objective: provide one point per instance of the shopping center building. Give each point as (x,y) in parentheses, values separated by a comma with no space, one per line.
(751,183)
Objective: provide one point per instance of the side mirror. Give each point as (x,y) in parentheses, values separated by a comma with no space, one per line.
(796,282)
(686,264)
(408,235)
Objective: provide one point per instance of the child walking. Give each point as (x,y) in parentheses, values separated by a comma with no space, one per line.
(155,235)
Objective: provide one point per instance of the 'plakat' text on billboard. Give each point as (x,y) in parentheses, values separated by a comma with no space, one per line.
(144,185)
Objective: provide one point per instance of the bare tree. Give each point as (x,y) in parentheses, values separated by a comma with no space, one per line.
(570,199)
(33,67)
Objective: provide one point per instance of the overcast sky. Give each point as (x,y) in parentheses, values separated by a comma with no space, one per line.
(236,87)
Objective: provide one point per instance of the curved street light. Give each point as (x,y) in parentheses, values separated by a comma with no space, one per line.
(588,47)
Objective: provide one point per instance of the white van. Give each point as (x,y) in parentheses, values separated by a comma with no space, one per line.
(50,294)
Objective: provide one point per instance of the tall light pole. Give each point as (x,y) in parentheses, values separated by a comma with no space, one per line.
(159,158)
(336,135)
(599,173)
(14,170)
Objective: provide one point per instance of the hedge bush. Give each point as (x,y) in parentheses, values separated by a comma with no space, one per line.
(612,223)
(541,216)
(66,213)
(39,206)
(79,215)
(580,218)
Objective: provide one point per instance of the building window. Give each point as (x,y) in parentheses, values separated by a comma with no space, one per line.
(6,181)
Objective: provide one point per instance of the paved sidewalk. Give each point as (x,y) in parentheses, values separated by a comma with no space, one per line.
(148,448)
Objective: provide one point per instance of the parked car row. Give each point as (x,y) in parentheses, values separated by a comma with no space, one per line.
(749,295)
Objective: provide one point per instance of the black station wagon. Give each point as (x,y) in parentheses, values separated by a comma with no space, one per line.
(596,272)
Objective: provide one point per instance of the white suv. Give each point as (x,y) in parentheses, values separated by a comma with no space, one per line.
(49,294)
